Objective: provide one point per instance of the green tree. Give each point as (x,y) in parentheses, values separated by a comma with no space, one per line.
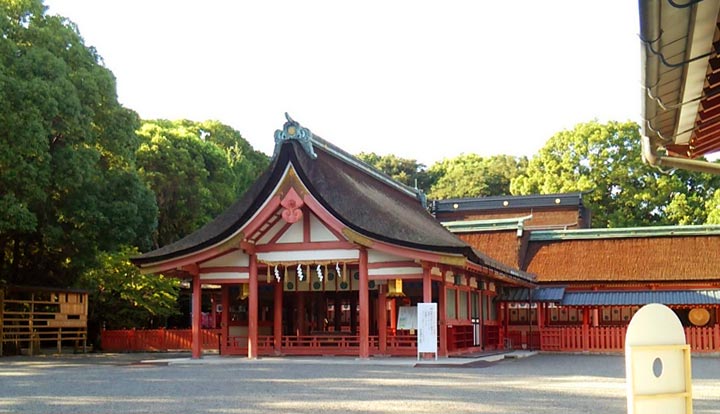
(121,297)
(712,206)
(404,170)
(604,161)
(470,175)
(196,171)
(68,183)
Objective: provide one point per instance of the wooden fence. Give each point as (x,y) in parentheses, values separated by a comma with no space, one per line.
(557,339)
(31,318)
(612,339)
(132,340)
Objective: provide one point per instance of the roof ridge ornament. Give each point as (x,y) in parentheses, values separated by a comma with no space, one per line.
(293,130)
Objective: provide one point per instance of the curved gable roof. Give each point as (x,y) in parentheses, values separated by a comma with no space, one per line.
(365,200)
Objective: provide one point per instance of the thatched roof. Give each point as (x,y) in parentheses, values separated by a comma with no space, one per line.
(636,259)
(500,245)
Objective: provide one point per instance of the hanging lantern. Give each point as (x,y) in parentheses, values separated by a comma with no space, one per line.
(244,291)
(395,288)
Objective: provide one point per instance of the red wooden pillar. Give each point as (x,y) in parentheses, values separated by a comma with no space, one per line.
(501,325)
(277,317)
(442,314)
(253,309)
(225,318)
(196,314)
(427,286)
(506,321)
(717,329)
(364,305)
(393,316)
(586,329)
(382,319)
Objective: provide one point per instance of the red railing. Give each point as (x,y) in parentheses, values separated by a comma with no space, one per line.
(130,340)
(559,339)
(401,345)
(612,339)
(706,339)
(133,340)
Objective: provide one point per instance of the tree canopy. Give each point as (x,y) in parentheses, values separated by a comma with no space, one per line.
(604,161)
(403,170)
(470,175)
(196,170)
(69,188)
(122,297)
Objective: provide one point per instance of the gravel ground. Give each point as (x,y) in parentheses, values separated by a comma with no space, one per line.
(118,383)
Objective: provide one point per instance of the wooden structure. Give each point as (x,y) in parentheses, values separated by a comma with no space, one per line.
(322,253)
(31,317)
(681,80)
(590,282)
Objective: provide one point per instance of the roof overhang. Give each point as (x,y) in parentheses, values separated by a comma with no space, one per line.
(680,83)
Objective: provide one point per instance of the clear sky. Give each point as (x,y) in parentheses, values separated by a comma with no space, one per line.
(419,79)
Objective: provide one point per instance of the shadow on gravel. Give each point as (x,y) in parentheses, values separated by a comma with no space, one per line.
(475,364)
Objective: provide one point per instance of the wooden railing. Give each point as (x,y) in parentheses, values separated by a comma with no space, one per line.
(401,345)
(132,340)
(612,339)
(703,339)
(559,339)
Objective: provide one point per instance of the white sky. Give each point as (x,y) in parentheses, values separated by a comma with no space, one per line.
(418,79)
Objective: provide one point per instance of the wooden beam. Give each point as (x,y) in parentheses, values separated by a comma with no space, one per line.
(364,295)
(382,319)
(196,314)
(253,309)
(225,318)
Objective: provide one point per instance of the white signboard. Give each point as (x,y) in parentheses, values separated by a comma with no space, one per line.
(427,328)
(407,318)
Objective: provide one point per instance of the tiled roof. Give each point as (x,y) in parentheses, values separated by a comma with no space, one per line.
(666,297)
(541,294)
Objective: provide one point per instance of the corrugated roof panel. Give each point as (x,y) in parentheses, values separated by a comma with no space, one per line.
(548,294)
(666,297)
(543,294)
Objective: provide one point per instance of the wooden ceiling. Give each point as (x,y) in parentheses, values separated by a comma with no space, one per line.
(681,81)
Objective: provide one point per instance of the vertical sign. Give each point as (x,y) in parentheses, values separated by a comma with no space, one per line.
(427,328)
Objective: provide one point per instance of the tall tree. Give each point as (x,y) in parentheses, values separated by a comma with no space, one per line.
(712,206)
(196,171)
(404,170)
(68,183)
(470,175)
(604,161)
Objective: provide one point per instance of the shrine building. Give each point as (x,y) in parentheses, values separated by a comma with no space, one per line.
(323,254)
